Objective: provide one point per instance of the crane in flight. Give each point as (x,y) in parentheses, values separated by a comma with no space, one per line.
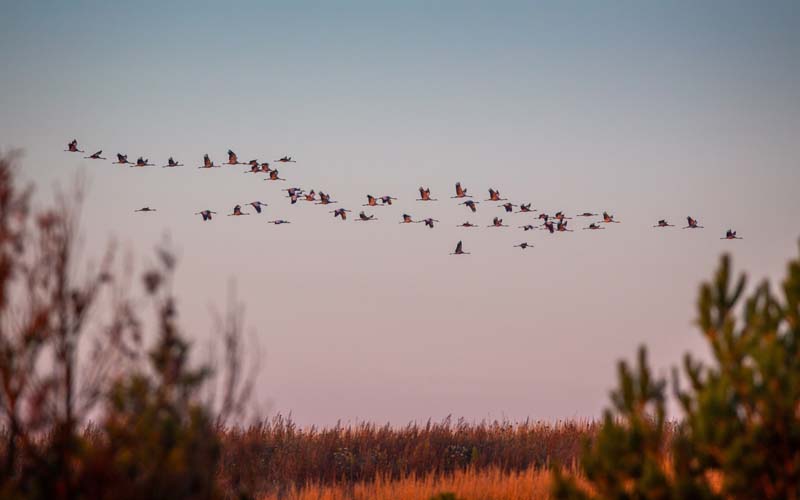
(145,209)
(471,205)
(594,226)
(364,217)
(386,200)
(461,192)
(560,216)
(233,159)
(692,223)
(206,214)
(371,201)
(257,205)
(459,250)
(207,163)
(254,169)
(278,222)
(562,227)
(527,227)
(142,162)
(172,163)
(467,224)
(587,214)
(340,212)
(122,160)
(550,226)
(608,218)
(497,222)
(286,159)
(429,222)
(72,147)
(425,194)
(525,208)
(509,207)
(95,156)
(237,210)
(273,176)
(524,245)
(324,199)
(663,223)
(407,220)
(494,195)
(731,235)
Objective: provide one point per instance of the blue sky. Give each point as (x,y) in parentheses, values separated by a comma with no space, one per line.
(647,110)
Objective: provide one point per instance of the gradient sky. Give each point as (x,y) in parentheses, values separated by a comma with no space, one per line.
(646,110)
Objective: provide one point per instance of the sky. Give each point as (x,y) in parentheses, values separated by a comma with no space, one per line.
(647,110)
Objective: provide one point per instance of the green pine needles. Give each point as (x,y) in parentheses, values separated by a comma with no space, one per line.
(740,433)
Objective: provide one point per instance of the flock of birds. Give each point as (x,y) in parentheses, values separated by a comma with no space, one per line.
(552,223)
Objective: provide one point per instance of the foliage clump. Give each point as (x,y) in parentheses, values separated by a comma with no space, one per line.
(93,403)
(739,437)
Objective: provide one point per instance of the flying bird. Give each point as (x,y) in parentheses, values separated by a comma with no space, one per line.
(233,159)
(371,201)
(594,226)
(692,223)
(310,196)
(607,218)
(145,209)
(257,205)
(731,235)
(467,224)
(324,199)
(286,159)
(497,222)
(429,222)
(524,208)
(550,226)
(528,227)
(172,163)
(425,194)
(364,217)
(122,160)
(587,214)
(524,245)
(471,205)
(340,212)
(273,176)
(72,147)
(560,216)
(461,192)
(459,250)
(663,223)
(95,156)
(508,206)
(206,214)
(143,162)
(278,222)
(562,227)
(495,195)
(386,200)
(207,163)
(237,210)
(407,219)
(254,169)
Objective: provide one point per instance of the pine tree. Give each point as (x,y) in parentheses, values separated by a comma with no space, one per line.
(739,437)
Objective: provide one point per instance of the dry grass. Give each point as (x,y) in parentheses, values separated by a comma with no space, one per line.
(470,484)
(277,457)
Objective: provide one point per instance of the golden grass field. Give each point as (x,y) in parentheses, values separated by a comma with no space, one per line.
(469,484)
(277,459)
